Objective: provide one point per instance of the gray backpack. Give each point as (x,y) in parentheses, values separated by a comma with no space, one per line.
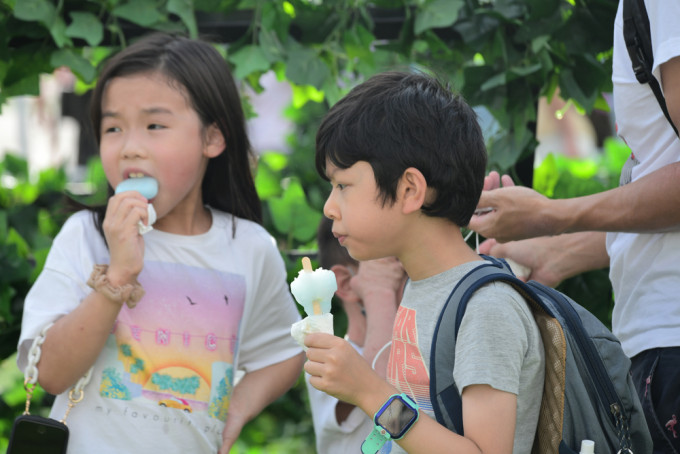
(588,392)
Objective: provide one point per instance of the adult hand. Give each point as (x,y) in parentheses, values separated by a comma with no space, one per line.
(553,259)
(534,254)
(515,212)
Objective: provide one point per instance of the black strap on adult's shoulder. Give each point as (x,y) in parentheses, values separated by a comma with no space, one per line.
(639,44)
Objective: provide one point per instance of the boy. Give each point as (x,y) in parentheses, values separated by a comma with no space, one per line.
(369,293)
(406,160)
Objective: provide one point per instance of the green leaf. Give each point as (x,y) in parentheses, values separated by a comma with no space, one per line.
(58,32)
(270,45)
(546,176)
(292,215)
(13,237)
(275,161)
(304,67)
(267,183)
(185,10)
(35,10)
(247,60)
(498,80)
(16,166)
(79,65)
(86,26)
(289,9)
(3,225)
(305,93)
(140,12)
(437,14)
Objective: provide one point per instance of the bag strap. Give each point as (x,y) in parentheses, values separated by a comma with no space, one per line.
(639,45)
(31,376)
(444,395)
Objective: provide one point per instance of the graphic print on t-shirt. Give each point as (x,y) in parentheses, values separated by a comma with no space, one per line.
(176,348)
(405,368)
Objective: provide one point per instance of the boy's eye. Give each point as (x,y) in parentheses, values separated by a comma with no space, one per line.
(156,126)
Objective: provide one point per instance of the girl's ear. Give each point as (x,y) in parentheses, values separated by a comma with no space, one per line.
(343,275)
(412,190)
(214,141)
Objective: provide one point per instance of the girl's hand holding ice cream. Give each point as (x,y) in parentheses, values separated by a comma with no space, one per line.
(313,290)
(148,188)
(128,215)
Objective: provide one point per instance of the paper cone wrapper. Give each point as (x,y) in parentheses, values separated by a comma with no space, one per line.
(312,324)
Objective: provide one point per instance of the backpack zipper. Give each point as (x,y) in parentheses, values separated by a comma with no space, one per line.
(603,385)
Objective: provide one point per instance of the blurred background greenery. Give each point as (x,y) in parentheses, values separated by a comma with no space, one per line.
(504,56)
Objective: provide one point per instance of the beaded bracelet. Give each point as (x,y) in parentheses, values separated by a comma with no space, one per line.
(129,294)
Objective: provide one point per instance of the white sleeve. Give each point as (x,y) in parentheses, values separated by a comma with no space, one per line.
(331,437)
(270,311)
(62,284)
(665,31)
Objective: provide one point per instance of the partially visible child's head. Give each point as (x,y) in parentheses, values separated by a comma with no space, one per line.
(397,120)
(197,69)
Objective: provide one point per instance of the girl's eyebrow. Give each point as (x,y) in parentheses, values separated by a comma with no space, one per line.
(157,110)
(147,111)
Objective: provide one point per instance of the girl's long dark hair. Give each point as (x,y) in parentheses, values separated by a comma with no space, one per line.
(198,69)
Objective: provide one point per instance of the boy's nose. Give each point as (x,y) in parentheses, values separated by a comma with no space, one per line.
(330,209)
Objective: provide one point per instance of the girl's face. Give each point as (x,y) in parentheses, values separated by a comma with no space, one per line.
(149,128)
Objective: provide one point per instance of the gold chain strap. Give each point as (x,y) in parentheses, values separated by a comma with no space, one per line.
(31,377)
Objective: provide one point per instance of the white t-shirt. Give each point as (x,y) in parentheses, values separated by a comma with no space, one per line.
(214,304)
(331,437)
(498,345)
(644,268)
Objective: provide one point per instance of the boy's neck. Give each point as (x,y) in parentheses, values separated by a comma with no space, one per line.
(438,247)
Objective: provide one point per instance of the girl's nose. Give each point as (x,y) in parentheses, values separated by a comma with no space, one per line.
(133,148)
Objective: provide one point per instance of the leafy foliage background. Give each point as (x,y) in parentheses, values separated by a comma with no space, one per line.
(500,54)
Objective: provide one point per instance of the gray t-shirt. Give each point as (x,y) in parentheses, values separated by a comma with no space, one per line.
(498,345)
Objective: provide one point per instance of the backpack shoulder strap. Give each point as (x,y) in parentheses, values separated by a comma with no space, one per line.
(444,395)
(639,45)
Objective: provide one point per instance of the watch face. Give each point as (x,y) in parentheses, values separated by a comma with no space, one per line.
(397,417)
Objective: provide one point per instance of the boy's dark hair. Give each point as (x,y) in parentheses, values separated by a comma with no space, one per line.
(198,69)
(397,120)
(330,251)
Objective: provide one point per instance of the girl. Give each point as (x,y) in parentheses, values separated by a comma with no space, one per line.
(209,283)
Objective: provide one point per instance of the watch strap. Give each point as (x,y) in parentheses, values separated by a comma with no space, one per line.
(375,440)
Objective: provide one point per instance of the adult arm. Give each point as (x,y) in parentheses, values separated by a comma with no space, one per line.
(254,392)
(552,259)
(646,205)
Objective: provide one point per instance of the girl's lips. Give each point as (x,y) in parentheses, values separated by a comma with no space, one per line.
(340,238)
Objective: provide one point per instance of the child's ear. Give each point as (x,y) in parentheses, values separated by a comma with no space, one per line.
(412,190)
(343,275)
(214,141)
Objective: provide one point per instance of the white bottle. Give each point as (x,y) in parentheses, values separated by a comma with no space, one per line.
(587,447)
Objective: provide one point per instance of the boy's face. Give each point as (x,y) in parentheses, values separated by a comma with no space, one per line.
(361,223)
